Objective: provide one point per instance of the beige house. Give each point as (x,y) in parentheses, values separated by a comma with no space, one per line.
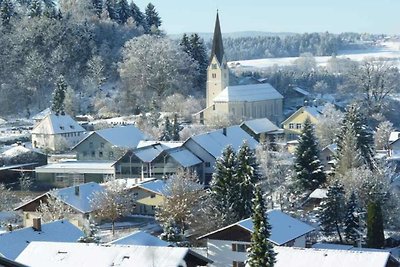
(240,102)
(293,126)
(148,196)
(57,133)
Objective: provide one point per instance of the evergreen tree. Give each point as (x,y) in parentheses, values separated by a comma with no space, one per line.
(352,220)
(186,44)
(153,20)
(261,249)
(35,8)
(110,6)
(247,175)
(198,53)
(348,156)
(375,236)
(166,134)
(175,129)
(57,105)
(332,212)
(363,134)
(171,232)
(309,170)
(52,13)
(123,11)
(137,15)
(224,189)
(97,7)
(6,11)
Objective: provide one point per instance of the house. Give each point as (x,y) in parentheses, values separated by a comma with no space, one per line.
(293,125)
(148,195)
(327,157)
(156,160)
(229,244)
(56,133)
(394,144)
(108,144)
(315,198)
(251,101)
(71,173)
(49,254)
(76,197)
(209,146)
(262,129)
(140,238)
(303,257)
(296,97)
(14,242)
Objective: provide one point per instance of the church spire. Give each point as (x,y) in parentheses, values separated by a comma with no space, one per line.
(217,46)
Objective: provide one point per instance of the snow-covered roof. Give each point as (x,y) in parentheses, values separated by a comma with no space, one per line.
(140,238)
(155,186)
(41,115)
(13,243)
(394,136)
(309,257)
(80,201)
(284,228)
(216,141)
(259,126)
(311,110)
(163,144)
(148,153)
(123,136)
(78,167)
(301,91)
(18,150)
(184,157)
(48,254)
(332,246)
(250,92)
(331,147)
(318,193)
(57,124)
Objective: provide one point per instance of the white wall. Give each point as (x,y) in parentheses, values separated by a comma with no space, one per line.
(220,251)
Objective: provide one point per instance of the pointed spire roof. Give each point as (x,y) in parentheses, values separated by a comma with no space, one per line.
(217,46)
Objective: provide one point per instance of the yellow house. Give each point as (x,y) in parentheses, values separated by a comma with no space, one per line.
(293,125)
(148,196)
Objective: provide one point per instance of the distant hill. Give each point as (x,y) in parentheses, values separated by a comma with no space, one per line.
(208,35)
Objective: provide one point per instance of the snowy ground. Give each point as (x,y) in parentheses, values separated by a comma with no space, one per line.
(386,50)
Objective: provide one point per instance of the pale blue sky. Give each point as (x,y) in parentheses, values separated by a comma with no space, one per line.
(373,16)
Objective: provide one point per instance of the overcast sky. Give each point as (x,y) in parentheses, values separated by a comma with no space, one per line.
(372,16)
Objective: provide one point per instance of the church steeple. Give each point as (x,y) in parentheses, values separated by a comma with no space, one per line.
(217,46)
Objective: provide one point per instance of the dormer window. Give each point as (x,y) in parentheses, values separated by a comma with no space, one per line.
(72,127)
(62,127)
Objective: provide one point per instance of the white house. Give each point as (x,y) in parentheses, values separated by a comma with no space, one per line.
(57,133)
(140,238)
(49,254)
(228,246)
(14,242)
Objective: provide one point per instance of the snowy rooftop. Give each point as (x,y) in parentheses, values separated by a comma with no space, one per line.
(18,150)
(140,238)
(216,141)
(48,254)
(78,167)
(57,124)
(41,115)
(331,147)
(13,243)
(80,201)
(394,136)
(250,92)
(123,136)
(332,246)
(163,144)
(156,186)
(148,153)
(284,228)
(301,91)
(308,257)
(312,110)
(318,193)
(184,157)
(263,125)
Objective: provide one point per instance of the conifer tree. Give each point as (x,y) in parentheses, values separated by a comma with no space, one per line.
(122,10)
(57,105)
(166,133)
(171,232)
(110,5)
(97,7)
(363,134)
(333,209)
(375,236)
(6,11)
(175,129)
(137,15)
(224,190)
(261,249)
(309,170)
(35,8)
(247,175)
(185,44)
(199,54)
(153,20)
(352,220)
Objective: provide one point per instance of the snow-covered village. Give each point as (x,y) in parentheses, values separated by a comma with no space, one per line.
(217,133)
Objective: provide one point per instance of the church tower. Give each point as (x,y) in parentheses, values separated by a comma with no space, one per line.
(217,71)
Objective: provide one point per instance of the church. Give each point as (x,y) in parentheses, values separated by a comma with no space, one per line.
(239,102)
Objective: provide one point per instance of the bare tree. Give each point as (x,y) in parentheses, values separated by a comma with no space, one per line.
(54,208)
(328,125)
(382,134)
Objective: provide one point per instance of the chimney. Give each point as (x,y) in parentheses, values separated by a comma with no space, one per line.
(77,190)
(224,131)
(37,224)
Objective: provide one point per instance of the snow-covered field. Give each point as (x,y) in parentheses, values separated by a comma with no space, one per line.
(386,50)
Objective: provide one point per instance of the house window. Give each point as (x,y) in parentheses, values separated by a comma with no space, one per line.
(214,66)
(91,144)
(93,154)
(240,247)
(100,154)
(238,264)
(152,195)
(102,145)
(110,154)
(84,153)
(214,75)
(153,207)
(298,125)
(208,164)
(328,158)
(62,127)
(213,107)
(135,194)
(291,125)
